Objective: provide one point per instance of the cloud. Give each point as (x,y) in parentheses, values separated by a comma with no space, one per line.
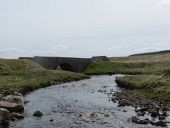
(148,49)
(10,50)
(56,50)
(59,47)
(11,53)
(117,47)
(164,2)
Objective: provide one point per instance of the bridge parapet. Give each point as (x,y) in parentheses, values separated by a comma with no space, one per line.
(65,63)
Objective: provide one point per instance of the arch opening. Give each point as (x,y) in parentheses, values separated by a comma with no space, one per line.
(67,67)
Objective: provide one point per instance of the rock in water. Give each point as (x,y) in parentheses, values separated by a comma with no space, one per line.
(38,114)
(93,115)
(160,123)
(135,119)
(4,115)
(138,121)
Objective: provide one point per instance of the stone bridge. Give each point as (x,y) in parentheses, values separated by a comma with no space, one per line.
(65,63)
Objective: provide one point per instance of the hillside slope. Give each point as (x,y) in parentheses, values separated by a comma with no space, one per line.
(153,53)
(161,56)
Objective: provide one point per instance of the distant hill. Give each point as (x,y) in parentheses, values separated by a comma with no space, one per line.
(152,53)
(160,56)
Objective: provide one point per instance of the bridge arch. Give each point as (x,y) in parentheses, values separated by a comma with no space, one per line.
(67,67)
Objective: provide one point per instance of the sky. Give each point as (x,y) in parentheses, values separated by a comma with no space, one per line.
(83,28)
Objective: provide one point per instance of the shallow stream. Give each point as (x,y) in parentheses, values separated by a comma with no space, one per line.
(71,105)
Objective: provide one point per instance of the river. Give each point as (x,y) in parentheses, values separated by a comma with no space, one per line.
(70,105)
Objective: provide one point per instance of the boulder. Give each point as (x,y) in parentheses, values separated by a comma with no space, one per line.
(17,94)
(93,115)
(15,98)
(162,117)
(14,116)
(154,115)
(140,113)
(138,121)
(145,121)
(143,109)
(114,99)
(26,101)
(38,114)
(1,97)
(51,120)
(165,108)
(12,107)
(165,114)
(123,103)
(4,115)
(135,119)
(159,123)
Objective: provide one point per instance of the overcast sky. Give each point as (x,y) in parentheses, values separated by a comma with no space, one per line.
(83,28)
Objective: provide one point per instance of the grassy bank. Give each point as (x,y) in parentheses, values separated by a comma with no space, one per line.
(151,86)
(148,79)
(126,68)
(24,75)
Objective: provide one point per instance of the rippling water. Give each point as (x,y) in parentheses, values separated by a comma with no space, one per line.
(70,105)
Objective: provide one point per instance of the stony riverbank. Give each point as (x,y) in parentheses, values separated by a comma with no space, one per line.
(148,111)
(149,95)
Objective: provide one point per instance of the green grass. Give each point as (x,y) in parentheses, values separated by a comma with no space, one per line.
(152,86)
(126,68)
(24,75)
